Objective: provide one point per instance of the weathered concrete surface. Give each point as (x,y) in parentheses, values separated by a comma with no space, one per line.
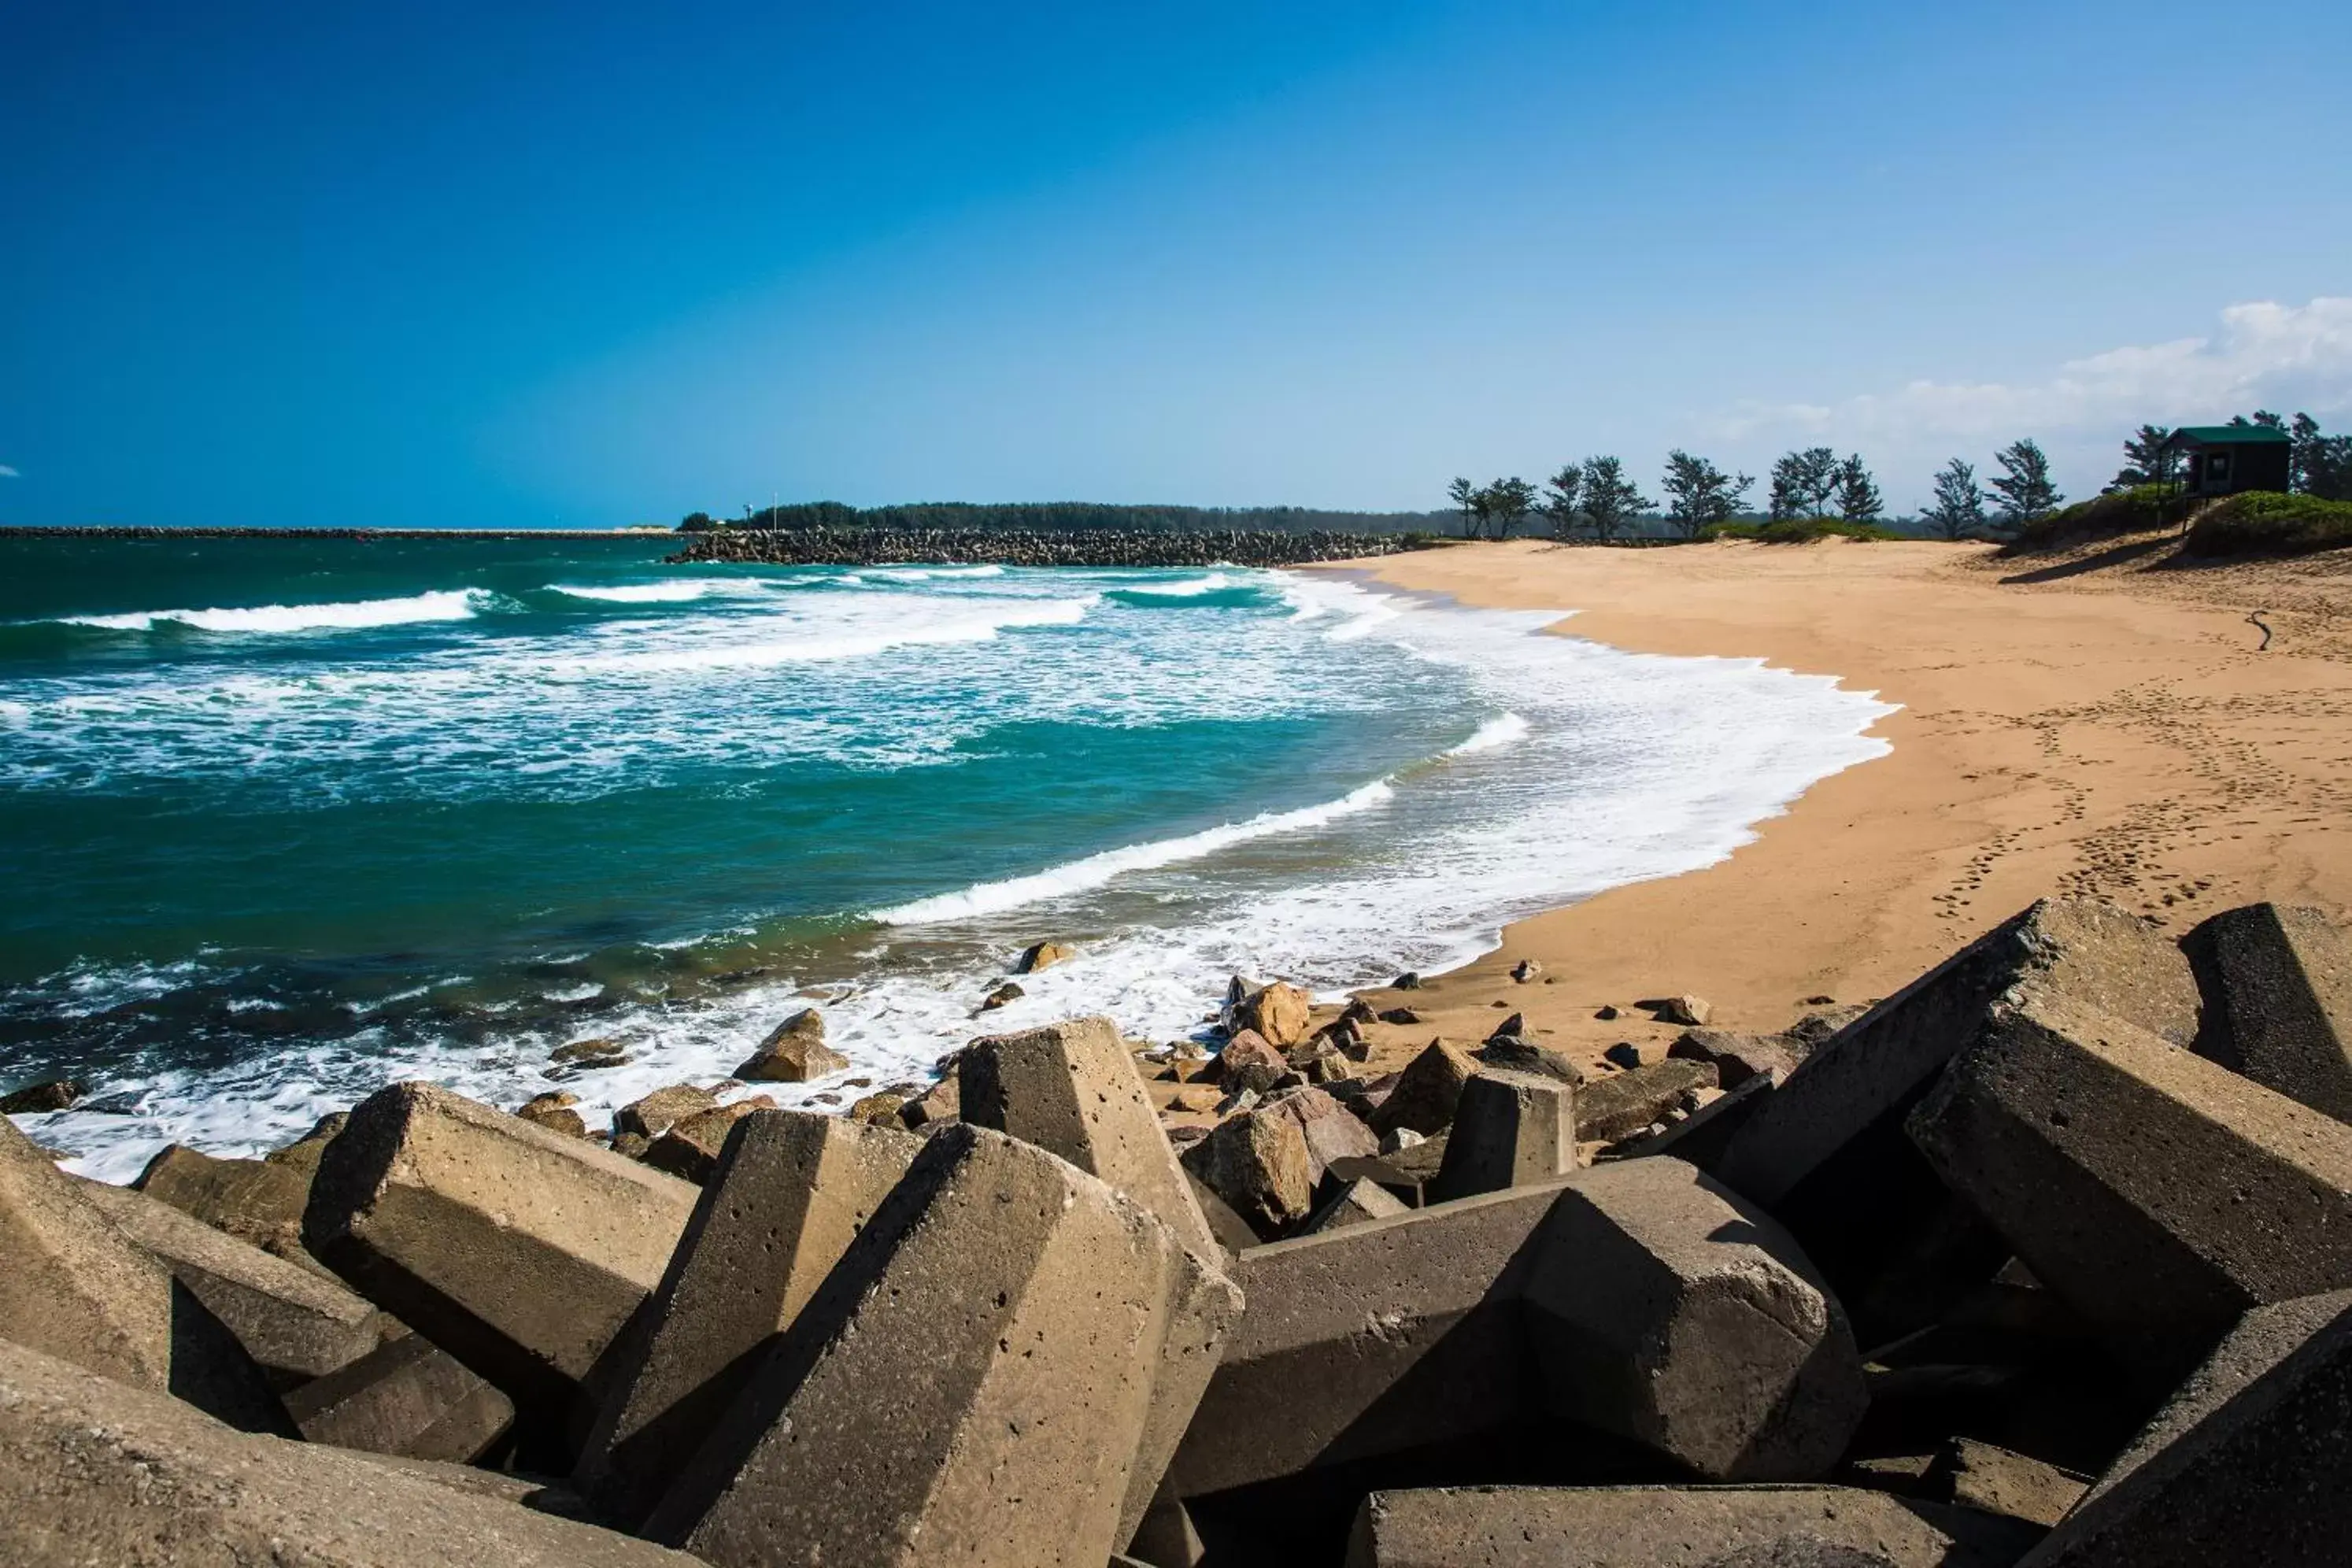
(1700,1138)
(410,1398)
(973,1382)
(296,1325)
(1072,1089)
(1737,1057)
(1614,1105)
(520,1251)
(256,1201)
(1686,1527)
(2252,1463)
(1354,1204)
(1993,1479)
(2278,1001)
(1510,1129)
(95,1473)
(2158,1193)
(1665,1309)
(790,1191)
(1826,1152)
(72,1285)
(1371,1339)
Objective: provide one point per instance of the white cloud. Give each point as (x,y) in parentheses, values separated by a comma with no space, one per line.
(8,473)
(2264,355)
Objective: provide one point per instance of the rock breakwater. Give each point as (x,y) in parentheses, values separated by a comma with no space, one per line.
(1078,547)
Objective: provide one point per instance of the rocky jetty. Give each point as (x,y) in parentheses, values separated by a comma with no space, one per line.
(1074,547)
(2045,1260)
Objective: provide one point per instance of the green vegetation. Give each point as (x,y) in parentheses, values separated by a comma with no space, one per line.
(2265,522)
(1061,517)
(2141,508)
(2023,490)
(1802,530)
(1700,496)
(1957,511)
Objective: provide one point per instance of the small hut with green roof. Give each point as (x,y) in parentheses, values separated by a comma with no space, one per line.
(2224,459)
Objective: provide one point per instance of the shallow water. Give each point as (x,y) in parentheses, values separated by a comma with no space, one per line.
(285,819)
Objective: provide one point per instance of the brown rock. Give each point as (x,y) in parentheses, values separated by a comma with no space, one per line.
(790,1190)
(1280,1013)
(794,1052)
(553,1111)
(1357,1203)
(1399,1016)
(52,1094)
(1692,1011)
(1249,1062)
(99,1473)
(1515,1054)
(1043,955)
(1331,1131)
(1427,1090)
(658,1113)
(586,1056)
(1616,1104)
(941,1102)
(1004,995)
(1259,1164)
(689,1150)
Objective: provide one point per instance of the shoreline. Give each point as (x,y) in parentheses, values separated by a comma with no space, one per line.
(2107,736)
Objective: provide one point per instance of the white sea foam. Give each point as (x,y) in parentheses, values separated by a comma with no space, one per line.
(1189,588)
(805,640)
(932,574)
(677,592)
(1495,733)
(451,604)
(1096,870)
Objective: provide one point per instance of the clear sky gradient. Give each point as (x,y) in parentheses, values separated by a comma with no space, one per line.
(594,263)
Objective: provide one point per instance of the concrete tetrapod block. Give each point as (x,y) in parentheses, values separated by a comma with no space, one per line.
(790,1189)
(1072,1089)
(1370,1339)
(2157,1193)
(296,1324)
(972,1383)
(74,1285)
(92,1472)
(256,1201)
(2278,988)
(1826,1153)
(520,1251)
(409,1398)
(2251,1462)
(1665,1309)
(1510,1129)
(1687,1527)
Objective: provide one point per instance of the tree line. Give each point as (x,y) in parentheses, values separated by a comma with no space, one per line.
(1595,499)
(2318,464)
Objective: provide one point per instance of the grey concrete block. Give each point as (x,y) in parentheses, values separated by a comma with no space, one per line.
(1674,1527)
(1510,1129)
(93,1472)
(2278,1001)
(973,1382)
(790,1190)
(2253,1462)
(1354,1204)
(1617,1104)
(408,1398)
(1665,1309)
(2158,1193)
(518,1250)
(256,1201)
(296,1324)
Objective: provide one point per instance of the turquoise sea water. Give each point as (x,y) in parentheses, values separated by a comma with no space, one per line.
(280,819)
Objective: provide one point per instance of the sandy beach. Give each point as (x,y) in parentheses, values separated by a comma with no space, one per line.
(2081,724)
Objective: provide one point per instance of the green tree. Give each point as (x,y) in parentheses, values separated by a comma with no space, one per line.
(1465,498)
(1698,494)
(1802,482)
(2146,461)
(1958,509)
(1562,495)
(697,522)
(2320,465)
(1611,501)
(1509,501)
(2024,489)
(1858,499)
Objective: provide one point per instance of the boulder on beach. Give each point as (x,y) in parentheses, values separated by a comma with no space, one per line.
(55,1094)
(794,1052)
(1043,955)
(1280,1013)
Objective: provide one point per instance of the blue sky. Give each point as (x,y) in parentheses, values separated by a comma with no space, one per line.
(594,264)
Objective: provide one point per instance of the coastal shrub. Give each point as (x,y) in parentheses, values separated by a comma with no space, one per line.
(1802,530)
(2135,509)
(2267,522)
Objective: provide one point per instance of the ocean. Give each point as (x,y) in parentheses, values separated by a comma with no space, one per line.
(282,820)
